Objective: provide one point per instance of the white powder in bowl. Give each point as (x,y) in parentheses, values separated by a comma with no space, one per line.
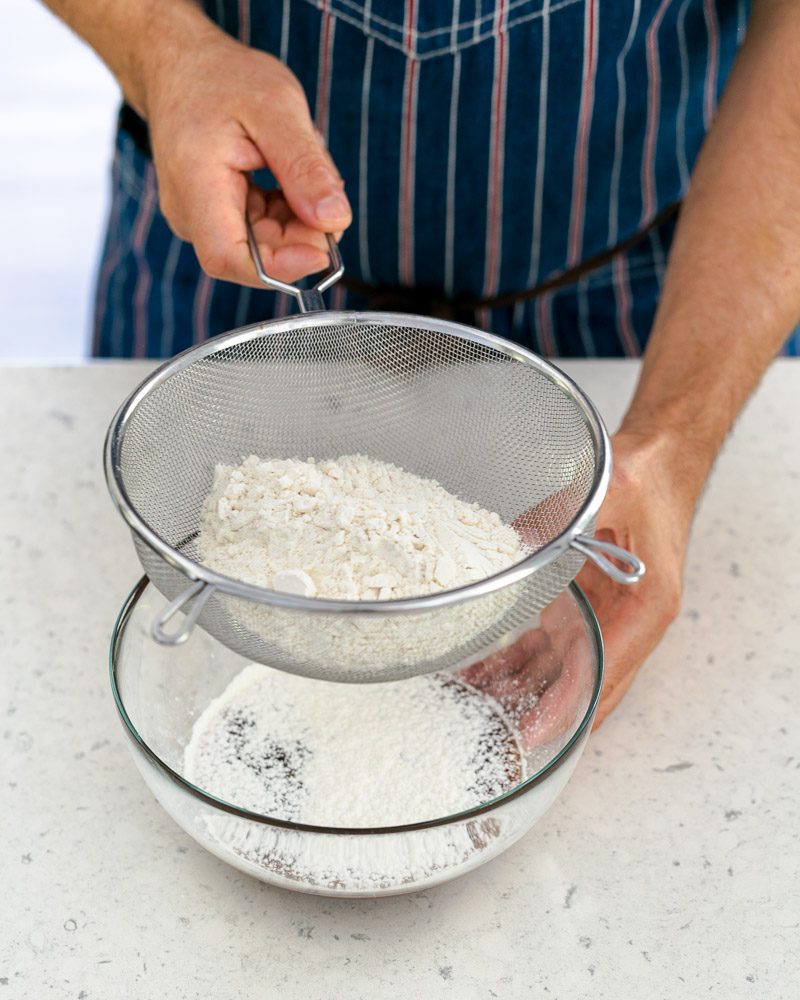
(353,755)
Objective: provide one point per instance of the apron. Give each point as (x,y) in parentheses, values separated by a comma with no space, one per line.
(486,146)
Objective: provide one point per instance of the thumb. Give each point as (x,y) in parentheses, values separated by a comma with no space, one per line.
(303,167)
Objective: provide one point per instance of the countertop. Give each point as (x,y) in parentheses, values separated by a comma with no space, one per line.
(667,868)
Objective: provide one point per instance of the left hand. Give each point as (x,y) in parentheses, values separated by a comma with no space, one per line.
(648,510)
(543,681)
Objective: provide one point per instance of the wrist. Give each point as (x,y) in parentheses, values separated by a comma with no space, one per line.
(674,462)
(161,44)
(678,420)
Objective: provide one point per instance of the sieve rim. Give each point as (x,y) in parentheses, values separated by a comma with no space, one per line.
(198,572)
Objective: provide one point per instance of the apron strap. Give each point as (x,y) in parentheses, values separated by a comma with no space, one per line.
(430,302)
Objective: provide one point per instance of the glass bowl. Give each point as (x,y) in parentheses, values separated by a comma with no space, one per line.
(545,684)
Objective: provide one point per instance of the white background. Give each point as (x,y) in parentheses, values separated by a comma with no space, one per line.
(57,111)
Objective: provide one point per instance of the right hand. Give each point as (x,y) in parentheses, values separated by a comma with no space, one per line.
(216,110)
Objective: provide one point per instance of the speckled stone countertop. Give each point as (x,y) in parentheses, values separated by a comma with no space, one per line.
(667,869)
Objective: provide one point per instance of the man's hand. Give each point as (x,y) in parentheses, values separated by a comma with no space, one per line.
(217,110)
(541,680)
(648,510)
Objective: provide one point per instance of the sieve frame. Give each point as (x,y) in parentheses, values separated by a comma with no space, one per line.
(197,573)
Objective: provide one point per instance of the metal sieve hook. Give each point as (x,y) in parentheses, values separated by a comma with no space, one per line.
(200,591)
(309,299)
(599,551)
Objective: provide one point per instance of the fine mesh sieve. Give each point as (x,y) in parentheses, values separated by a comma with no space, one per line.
(491,422)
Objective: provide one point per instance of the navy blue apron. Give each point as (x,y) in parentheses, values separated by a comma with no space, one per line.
(487,147)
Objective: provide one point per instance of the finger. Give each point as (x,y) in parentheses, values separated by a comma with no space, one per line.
(212,219)
(629,638)
(290,263)
(632,623)
(298,232)
(258,203)
(493,671)
(304,251)
(612,698)
(208,211)
(274,235)
(555,714)
(278,208)
(564,702)
(519,689)
(302,166)
(270,211)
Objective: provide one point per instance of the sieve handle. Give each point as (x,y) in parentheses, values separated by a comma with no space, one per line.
(200,593)
(309,299)
(599,551)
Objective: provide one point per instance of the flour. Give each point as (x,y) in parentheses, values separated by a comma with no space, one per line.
(351,528)
(352,755)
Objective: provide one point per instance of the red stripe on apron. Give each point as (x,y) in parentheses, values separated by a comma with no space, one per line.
(653,110)
(409,148)
(712,68)
(324,77)
(622,293)
(584,126)
(244,21)
(544,325)
(200,312)
(144,280)
(496,157)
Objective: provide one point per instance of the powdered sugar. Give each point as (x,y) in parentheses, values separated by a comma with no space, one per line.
(352,755)
(351,528)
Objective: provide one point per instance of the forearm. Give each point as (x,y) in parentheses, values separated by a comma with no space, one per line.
(732,289)
(131,36)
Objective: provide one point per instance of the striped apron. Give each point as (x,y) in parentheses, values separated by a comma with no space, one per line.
(486,146)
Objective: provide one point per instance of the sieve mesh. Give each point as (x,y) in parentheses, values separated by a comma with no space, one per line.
(492,424)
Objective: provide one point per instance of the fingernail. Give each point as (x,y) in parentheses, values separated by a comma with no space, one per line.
(332,208)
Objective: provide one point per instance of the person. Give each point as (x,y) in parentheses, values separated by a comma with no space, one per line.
(518,163)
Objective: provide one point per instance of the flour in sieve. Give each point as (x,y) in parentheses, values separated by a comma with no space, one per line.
(352,755)
(351,528)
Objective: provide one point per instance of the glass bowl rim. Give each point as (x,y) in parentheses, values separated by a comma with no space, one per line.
(519,789)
